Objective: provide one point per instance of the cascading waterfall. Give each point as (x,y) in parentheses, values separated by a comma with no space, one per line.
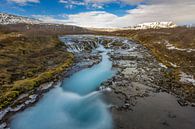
(75,104)
(82,43)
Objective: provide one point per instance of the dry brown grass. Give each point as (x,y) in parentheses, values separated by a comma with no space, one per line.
(180,37)
(27,61)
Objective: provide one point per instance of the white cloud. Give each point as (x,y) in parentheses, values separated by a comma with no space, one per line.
(178,11)
(88,19)
(70,4)
(92,19)
(109,1)
(73,3)
(22,2)
(50,19)
(97,4)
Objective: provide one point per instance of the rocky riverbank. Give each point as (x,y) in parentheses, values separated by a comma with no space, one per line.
(174,48)
(140,97)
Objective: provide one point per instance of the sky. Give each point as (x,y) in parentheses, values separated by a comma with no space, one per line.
(103,13)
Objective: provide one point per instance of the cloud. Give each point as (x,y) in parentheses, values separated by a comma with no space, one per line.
(178,11)
(111,1)
(92,19)
(97,4)
(51,19)
(70,4)
(97,19)
(23,2)
(73,2)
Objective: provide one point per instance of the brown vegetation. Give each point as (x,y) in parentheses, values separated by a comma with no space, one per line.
(28,59)
(177,60)
(43,29)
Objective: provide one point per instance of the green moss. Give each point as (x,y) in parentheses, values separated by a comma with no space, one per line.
(22,86)
(28,62)
(7,98)
(117,44)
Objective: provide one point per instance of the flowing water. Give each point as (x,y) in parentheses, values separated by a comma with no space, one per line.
(74,105)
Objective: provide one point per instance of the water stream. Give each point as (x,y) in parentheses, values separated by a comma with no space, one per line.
(74,105)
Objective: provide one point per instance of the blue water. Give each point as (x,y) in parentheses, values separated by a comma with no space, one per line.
(74,105)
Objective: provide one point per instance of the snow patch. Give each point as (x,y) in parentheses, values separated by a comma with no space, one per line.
(174,65)
(153,25)
(185,78)
(172,47)
(143,26)
(162,65)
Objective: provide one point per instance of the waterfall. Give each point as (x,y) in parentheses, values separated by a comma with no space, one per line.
(77,44)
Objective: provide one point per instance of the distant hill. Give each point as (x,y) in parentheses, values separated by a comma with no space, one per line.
(13,23)
(153,25)
(143,26)
(13,19)
(42,29)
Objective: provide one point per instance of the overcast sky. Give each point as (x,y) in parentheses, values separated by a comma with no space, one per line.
(103,13)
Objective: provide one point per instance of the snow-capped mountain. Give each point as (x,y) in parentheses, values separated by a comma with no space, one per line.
(13,19)
(153,25)
(149,25)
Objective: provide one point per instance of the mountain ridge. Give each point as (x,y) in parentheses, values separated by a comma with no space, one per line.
(153,25)
(6,19)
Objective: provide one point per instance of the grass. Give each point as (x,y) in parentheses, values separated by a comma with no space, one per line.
(28,61)
(29,84)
